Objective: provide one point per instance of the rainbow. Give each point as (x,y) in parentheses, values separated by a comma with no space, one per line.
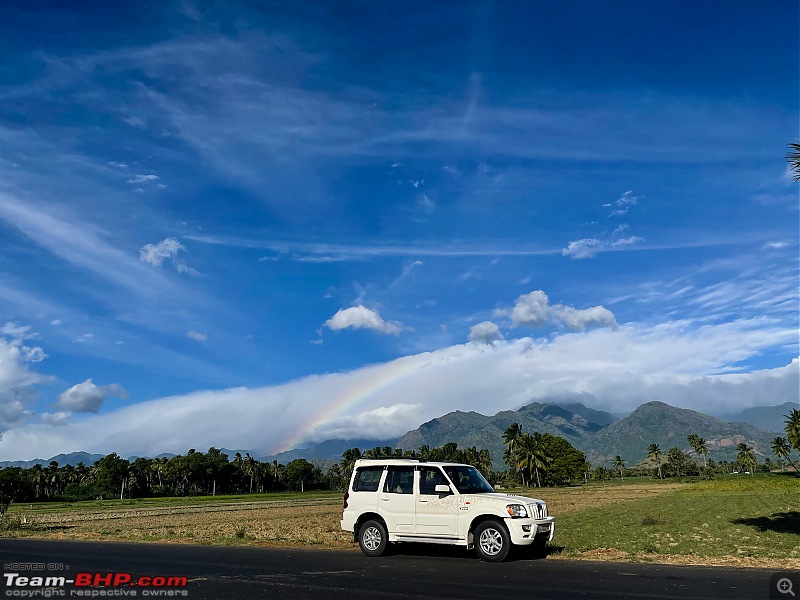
(369,383)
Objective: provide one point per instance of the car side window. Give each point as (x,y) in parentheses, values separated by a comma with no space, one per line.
(367,479)
(399,480)
(429,478)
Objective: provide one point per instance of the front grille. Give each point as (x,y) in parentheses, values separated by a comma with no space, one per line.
(538,510)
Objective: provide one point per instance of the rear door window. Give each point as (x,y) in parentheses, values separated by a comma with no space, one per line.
(367,479)
(399,480)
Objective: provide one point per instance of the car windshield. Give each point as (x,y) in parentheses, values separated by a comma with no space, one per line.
(468,480)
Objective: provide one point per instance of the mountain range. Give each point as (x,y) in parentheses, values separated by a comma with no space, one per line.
(599,434)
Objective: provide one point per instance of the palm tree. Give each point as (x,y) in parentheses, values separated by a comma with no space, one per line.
(654,452)
(782,449)
(792,428)
(699,446)
(793,158)
(532,456)
(511,438)
(746,457)
(620,465)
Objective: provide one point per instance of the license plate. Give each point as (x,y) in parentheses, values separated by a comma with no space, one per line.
(545,527)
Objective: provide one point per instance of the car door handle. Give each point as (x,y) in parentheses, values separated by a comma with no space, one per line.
(385,499)
(421,500)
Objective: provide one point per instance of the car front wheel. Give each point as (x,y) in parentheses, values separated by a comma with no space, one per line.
(372,538)
(492,542)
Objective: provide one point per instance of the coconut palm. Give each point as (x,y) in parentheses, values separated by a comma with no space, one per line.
(782,449)
(619,464)
(511,438)
(654,452)
(531,455)
(792,428)
(699,446)
(746,457)
(793,158)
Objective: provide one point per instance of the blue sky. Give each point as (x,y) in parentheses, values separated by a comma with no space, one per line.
(224,201)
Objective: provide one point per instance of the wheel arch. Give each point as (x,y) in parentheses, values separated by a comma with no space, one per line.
(363,518)
(482,519)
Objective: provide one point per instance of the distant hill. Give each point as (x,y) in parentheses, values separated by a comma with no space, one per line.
(667,426)
(73,458)
(770,418)
(474,429)
(654,422)
(329,450)
(324,453)
(593,416)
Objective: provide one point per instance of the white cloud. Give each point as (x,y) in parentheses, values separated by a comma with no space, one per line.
(88,397)
(18,332)
(86,337)
(580,320)
(197,336)
(485,333)
(57,419)
(534,310)
(623,204)
(627,241)
(156,254)
(56,322)
(683,363)
(166,249)
(585,248)
(140,179)
(360,317)
(17,380)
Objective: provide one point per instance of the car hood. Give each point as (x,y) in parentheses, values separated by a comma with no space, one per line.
(508,498)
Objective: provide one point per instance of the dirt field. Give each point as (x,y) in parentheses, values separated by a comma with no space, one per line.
(314,522)
(291,522)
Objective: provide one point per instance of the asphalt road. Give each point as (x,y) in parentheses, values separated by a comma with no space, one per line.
(415,571)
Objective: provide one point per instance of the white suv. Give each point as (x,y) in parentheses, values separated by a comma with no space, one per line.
(402,500)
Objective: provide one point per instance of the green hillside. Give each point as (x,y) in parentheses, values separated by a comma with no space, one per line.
(651,423)
(667,426)
(474,429)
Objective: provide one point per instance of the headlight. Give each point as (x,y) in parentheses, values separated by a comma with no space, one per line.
(517,510)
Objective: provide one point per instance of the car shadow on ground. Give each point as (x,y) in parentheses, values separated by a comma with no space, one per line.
(518,553)
(781,522)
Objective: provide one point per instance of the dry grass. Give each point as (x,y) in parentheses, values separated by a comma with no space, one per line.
(295,522)
(314,522)
(566,500)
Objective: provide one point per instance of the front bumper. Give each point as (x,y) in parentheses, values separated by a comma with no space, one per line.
(523,532)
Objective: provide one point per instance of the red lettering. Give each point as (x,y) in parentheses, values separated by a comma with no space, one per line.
(121,579)
(83,579)
(100,579)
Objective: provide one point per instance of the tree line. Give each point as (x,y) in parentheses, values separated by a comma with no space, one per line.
(532,459)
(676,463)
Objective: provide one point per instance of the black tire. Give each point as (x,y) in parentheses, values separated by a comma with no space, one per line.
(492,542)
(372,538)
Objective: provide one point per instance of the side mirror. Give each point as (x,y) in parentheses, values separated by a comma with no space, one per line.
(442,489)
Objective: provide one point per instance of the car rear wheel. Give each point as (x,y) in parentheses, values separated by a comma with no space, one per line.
(372,538)
(492,542)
